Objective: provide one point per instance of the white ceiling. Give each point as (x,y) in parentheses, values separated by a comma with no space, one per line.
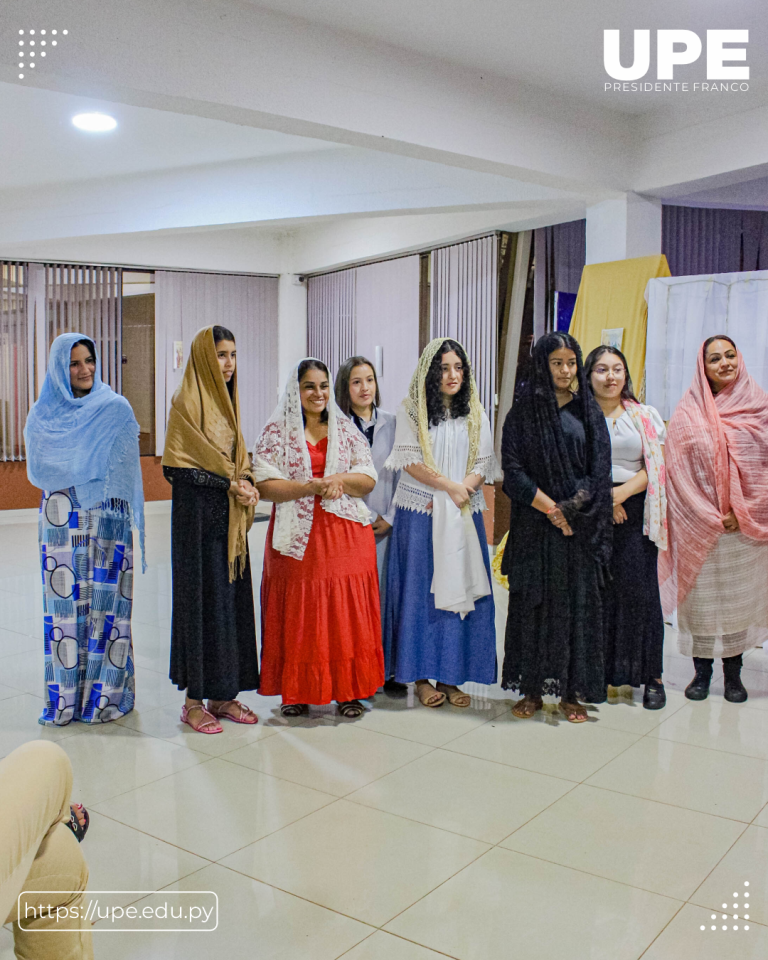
(39,144)
(554,44)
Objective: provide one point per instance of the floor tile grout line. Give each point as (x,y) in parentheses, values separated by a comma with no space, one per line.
(152,836)
(731,753)
(671,920)
(399,936)
(336,796)
(665,803)
(434,889)
(534,817)
(690,899)
(588,873)
(298,896)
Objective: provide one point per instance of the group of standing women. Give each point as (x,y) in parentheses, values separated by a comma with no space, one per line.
(376,567)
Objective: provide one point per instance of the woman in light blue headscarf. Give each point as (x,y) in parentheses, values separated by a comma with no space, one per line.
(82,444)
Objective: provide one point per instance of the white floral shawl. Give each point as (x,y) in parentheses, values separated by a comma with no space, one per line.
(281,453)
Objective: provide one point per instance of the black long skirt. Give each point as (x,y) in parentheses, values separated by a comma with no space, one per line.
(554,638)
(213,630)
(633,624)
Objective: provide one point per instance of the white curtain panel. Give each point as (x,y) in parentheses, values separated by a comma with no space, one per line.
(331,317)
(387,323)
(187,302)
(684,311)
(464,306)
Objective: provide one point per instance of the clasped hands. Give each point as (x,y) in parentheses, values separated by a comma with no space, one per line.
(245,494)
(327,488)
(730,522)
(556,517)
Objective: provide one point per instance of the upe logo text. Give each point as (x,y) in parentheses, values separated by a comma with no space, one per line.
(676,48)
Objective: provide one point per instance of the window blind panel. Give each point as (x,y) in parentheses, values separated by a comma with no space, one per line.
(464,307)
(331,311)
(86,299)
(14,360)
(187,302)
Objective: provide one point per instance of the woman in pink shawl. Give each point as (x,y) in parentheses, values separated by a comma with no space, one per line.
(715,572)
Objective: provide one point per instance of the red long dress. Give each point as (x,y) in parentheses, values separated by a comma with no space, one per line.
(320,619)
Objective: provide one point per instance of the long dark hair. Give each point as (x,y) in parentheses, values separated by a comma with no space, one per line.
(627,392)
(222,333)
(342,383)
(311,364)
(540,380)
(459,406)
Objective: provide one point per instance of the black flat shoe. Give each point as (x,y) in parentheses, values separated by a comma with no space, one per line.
(698,688)
(394,689)
(654,696)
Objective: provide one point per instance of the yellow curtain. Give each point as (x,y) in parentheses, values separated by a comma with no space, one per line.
(612,298)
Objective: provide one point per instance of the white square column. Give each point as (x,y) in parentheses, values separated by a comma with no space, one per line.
(291,325)
(629,226)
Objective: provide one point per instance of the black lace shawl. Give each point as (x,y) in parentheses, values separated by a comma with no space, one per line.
(533,436)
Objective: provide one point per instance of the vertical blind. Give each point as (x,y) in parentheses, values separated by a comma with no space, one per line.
(331,317)
(87,300)
(15,360)
(187,302)
(465,307)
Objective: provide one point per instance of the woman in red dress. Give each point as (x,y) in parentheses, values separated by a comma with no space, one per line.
(320,622)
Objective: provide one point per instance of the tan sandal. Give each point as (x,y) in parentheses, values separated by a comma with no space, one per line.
(574,712)
(428,696)
(455,696)
(526,708)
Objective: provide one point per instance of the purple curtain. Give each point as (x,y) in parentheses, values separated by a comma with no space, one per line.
(705,240)
(560,254)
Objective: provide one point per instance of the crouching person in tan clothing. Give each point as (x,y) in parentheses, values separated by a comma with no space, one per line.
(39,854)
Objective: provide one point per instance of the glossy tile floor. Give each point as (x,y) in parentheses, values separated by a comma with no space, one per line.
(410,834)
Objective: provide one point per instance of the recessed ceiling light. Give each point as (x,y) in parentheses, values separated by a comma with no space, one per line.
(94,122)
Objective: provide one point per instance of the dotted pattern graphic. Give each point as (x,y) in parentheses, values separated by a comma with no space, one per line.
(734,916)
(33,45)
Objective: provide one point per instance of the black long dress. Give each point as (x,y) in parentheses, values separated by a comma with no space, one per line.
(213,630)
(554,637)
(632,619)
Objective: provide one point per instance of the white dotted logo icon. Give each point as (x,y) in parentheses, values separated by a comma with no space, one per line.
(34,44)
(744,915)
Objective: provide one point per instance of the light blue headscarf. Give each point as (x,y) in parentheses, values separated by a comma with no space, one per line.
(90,443)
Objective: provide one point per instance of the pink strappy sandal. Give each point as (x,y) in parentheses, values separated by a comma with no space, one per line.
(246,715)
(209,723)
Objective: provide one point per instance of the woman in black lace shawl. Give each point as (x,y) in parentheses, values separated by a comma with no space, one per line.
(556,457)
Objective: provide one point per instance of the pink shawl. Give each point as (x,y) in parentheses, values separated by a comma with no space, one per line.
(717,460)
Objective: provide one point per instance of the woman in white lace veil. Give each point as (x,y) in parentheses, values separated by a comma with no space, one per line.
(439,618)
(320,620)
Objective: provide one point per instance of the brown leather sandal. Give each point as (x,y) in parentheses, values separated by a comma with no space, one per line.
(526,708)
(573,711)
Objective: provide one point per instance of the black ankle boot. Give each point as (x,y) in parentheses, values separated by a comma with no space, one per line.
(735,691)
(654,696)
(698,688)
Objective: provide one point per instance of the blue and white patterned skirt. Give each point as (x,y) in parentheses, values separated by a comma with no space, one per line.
(86,559)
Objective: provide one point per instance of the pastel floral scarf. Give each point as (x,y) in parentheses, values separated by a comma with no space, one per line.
(655,515)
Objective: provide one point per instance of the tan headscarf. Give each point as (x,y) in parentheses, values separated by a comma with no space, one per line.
(203,433)
(416,407)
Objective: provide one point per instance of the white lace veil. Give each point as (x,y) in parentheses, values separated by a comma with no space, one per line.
(281,453)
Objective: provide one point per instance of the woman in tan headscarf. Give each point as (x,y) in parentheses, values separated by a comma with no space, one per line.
(213,633)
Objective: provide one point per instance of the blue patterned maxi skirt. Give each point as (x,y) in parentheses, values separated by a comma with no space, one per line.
(421,642)
(86,559)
